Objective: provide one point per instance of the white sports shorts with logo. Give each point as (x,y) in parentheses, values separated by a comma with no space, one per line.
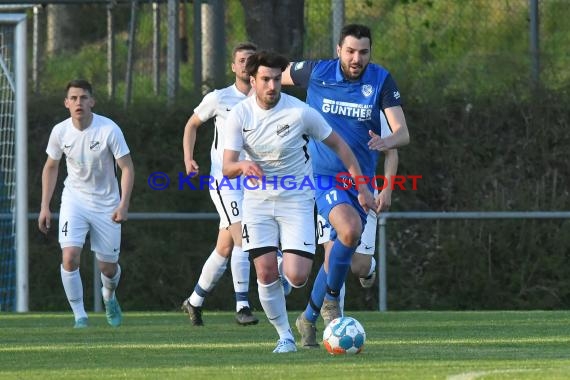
(367,239)
(267,223)
(75,221)
(228,203)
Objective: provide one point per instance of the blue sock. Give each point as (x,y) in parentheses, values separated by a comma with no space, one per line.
(242,296)
(313,309)
(339,264)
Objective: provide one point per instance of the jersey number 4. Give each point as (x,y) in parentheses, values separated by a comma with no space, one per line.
(64,229)
(244,233)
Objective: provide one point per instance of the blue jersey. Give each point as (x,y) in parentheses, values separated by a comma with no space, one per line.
(352,108)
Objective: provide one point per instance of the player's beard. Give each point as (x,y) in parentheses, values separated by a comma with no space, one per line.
(350,73)
(271,100)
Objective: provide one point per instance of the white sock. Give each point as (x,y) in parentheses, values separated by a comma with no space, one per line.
(240,266)
(341,299)
(272,300)
(74,291)
(110,284)
(212,271)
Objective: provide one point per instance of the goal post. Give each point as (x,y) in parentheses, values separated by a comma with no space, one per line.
(14,163)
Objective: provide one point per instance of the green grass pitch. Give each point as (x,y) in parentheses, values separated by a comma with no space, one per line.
(399,345)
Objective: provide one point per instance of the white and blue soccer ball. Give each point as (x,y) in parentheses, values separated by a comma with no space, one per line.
(344,335)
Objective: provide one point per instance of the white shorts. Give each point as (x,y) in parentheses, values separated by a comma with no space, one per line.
(367,239)
(268,223)
(228,204)
(75,221)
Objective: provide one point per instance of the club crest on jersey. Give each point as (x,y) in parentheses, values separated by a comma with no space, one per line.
(299,65)
(282,130)
(366,90)
(94,146)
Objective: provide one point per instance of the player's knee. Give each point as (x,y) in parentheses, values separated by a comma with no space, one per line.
(297,280)
(267,276)
(350,236)
(70,266)
(70,258)
(224,251)
(108,269)
(360,270)
(360,264)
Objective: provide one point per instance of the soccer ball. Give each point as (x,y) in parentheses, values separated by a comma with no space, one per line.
(344,335)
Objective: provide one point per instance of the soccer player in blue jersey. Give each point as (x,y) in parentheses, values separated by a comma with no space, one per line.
(352,94)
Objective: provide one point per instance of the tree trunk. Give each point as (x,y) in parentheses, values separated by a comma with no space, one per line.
(59,27)
(277,25)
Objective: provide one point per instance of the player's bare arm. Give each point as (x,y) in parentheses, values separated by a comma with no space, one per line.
(286,79)
(125,163)
(400,135)
(233,168)
(49,180)
(336,143)
(188,143)
(384,198)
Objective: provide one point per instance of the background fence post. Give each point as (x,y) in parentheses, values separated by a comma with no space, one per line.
(382,291)
(110,52)
(534,43)
(131,53)
(172,48)
(337,22)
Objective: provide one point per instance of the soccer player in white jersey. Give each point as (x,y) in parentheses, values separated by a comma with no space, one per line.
(273,129)
(217,104)
(91,202)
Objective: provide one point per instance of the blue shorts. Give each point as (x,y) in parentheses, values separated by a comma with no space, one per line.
(326,198)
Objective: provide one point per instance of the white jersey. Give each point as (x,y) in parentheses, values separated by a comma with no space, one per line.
(90,159)
(276,139)
(218,104)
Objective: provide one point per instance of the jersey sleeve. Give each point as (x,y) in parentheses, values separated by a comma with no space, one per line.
(117,143)
(389,95)
(301,72)
(233,139)
(53,149)
(207,107)
(316,125)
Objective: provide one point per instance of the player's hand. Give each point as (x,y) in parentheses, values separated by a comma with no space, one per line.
(191,167)
(378,143)
(365,198)
(383,200)
(44,220)
(120,215)
(251,169)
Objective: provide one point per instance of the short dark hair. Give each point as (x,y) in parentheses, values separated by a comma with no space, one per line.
(79,83)
(265,58)
(357,31)
(244,46)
